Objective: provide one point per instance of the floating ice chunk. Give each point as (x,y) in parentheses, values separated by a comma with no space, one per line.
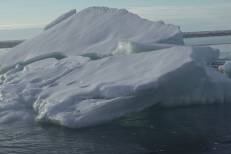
(84,84)
(227,68)
(206,57)
(221,68)
(60,19)
(79,92)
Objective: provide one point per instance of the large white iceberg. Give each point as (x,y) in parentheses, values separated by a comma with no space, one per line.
(100,64)
(94,31)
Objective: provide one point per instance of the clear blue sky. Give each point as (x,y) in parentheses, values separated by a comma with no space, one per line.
(206,14)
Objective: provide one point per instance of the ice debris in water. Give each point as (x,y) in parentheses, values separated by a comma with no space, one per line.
(227,68)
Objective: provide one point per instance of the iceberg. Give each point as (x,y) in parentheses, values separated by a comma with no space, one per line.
(94,30)
(101,64)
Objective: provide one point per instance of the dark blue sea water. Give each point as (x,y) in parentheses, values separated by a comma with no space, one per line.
(202,129)
(187,130)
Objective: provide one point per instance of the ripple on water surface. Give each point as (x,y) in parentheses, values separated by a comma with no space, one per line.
(192,130)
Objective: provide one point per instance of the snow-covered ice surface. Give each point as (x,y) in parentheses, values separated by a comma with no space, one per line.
(94,31)
(60,19)
(94,67)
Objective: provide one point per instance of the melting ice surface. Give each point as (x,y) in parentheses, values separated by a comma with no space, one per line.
(99,64)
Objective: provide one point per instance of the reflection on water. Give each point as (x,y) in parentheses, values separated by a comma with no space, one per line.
(191,130)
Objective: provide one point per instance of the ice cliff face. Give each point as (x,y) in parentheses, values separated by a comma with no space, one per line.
(100,64)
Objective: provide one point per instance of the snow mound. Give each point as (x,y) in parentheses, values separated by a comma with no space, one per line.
(60,19)
(94,30)
(83,71)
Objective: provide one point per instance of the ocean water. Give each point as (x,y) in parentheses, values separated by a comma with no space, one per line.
(201,129)
(18,34)
(191,130)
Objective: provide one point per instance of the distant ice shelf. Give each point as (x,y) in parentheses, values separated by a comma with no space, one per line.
(207,33)
(186,35)
(10,43)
